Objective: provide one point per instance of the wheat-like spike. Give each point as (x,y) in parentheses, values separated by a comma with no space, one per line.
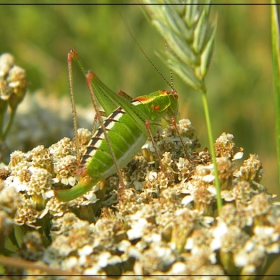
(189,35)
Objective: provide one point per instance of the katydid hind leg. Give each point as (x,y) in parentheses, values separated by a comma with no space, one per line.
(73,103)
(95,120)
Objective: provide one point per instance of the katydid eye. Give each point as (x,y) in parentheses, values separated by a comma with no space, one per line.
(155,107)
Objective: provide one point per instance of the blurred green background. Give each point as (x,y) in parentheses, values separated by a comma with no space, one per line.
(239,81)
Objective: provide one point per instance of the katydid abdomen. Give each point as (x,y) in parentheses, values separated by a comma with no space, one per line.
(126,140)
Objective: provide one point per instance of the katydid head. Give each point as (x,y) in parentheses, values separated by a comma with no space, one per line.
(171,110)
(159,104)
(174,103)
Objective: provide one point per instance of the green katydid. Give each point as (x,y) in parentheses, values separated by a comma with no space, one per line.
(120,137)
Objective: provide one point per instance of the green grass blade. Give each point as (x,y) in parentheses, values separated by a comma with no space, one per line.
(276,75)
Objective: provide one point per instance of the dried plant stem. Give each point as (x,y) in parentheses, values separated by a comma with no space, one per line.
(20,263)
(24,264)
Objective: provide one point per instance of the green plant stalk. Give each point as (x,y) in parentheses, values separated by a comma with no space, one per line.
(276,75)
(9,124)
(1,125)
(212,149)
(3,109)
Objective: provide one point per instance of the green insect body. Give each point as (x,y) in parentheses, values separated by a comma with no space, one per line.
(126,129)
